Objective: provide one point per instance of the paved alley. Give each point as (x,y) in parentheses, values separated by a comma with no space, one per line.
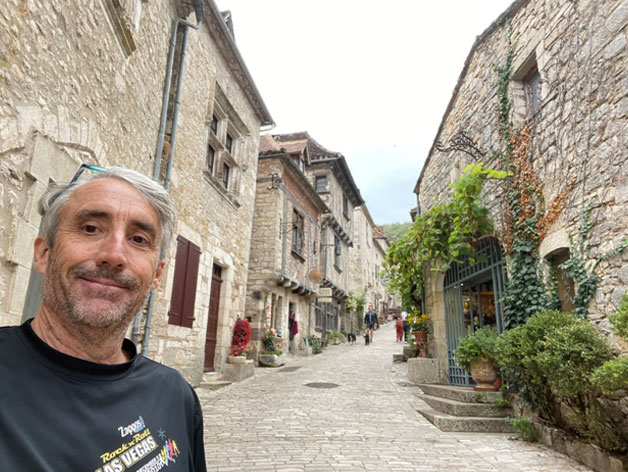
(274,421)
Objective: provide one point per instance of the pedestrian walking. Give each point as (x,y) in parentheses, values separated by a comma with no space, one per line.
(406,324)
(399,328)
(370,321)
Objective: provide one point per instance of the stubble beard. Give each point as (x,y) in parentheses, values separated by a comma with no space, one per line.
(69,303)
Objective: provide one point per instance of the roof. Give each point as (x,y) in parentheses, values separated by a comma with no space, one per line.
(321,155)
(513,8)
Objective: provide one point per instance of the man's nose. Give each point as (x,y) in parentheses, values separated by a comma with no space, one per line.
(113,250)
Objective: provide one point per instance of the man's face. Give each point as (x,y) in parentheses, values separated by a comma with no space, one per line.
(105,257)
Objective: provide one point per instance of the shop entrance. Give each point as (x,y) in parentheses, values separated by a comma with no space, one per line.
(473,299)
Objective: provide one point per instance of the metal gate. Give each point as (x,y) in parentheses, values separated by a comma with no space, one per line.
(473,299)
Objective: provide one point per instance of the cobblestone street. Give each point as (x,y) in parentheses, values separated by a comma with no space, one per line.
(275,422)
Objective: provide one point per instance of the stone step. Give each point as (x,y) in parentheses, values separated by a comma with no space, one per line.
(469,424)
(458,408)
(215,384)
(461,394)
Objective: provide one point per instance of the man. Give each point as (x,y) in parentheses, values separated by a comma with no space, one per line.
(74,394)
(406,324)
(370,320)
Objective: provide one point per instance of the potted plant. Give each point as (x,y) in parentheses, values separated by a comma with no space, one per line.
(239,341)
(335,337)
(476,354)
(419,325)
(271,356)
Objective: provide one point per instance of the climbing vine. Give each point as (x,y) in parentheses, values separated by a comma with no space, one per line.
(581,267)
(525,292)
(444,234)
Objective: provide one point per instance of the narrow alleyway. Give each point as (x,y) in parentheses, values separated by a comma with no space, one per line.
(274,421)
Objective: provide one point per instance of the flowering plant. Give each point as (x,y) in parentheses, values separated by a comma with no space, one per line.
(269,337)
(241,337)
(419,322)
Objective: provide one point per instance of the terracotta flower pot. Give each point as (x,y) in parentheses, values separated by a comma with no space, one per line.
(484,374)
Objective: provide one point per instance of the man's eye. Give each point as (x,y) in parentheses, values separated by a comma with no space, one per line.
(139,240)
(91,229)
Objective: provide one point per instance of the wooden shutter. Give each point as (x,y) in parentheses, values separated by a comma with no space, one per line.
(184,285)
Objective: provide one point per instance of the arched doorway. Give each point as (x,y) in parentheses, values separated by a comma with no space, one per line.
(473,299)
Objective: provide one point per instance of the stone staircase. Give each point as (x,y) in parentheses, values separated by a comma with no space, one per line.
(214,381)
(461,409)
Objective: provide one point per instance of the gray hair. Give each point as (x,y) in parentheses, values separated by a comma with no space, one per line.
(55,199)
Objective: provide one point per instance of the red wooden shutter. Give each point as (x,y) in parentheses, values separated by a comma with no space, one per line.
(184,285)
(189,293)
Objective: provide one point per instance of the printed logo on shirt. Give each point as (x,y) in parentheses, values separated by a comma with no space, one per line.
(139,447)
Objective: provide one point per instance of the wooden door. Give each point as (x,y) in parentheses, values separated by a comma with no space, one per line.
(212,321)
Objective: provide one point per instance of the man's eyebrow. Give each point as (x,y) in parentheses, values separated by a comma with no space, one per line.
(87,214)
(101,214)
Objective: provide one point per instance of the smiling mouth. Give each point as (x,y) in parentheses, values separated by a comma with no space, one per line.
(105,283)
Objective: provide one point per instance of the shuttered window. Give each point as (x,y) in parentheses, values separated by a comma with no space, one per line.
(184,286)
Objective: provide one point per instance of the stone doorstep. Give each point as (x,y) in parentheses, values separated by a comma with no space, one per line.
(468,424)
(461,394)
(215,384)
(457,408)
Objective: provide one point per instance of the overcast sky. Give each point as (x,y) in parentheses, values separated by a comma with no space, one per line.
(366,78)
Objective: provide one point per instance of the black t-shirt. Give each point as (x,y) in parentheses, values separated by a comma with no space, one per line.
(60,413)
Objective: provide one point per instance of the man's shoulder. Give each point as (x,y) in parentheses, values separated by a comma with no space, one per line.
(163,373)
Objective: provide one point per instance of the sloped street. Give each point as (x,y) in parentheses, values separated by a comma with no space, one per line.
(358,415)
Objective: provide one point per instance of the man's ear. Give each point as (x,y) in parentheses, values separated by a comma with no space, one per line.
(42,253)
(157,277)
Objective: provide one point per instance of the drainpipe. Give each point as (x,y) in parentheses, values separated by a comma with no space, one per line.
(198,11)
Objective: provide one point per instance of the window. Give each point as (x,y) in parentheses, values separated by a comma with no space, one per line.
(297,232)
(211,158)
(225,175)
(119,15)
(229,144)
(564,285)
(337,252)
(532,91)
(299,161)
(320,183)
(345,206)
(213,125)
(184,285)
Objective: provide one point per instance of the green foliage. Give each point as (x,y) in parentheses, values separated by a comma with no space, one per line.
(620,319)
(396,230)
(525,428)
(501,402)
(314,344)
(331,335)
(553,354)
(612,376)
(355,305)
(478,345)
(443,234)
(525,292)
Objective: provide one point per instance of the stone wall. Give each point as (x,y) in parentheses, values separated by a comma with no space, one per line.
(71,95)
(579,132)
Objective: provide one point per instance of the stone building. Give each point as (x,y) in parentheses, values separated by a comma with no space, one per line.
(121,83)
(329,175)
(367,257)
(285,242)
(568,90)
